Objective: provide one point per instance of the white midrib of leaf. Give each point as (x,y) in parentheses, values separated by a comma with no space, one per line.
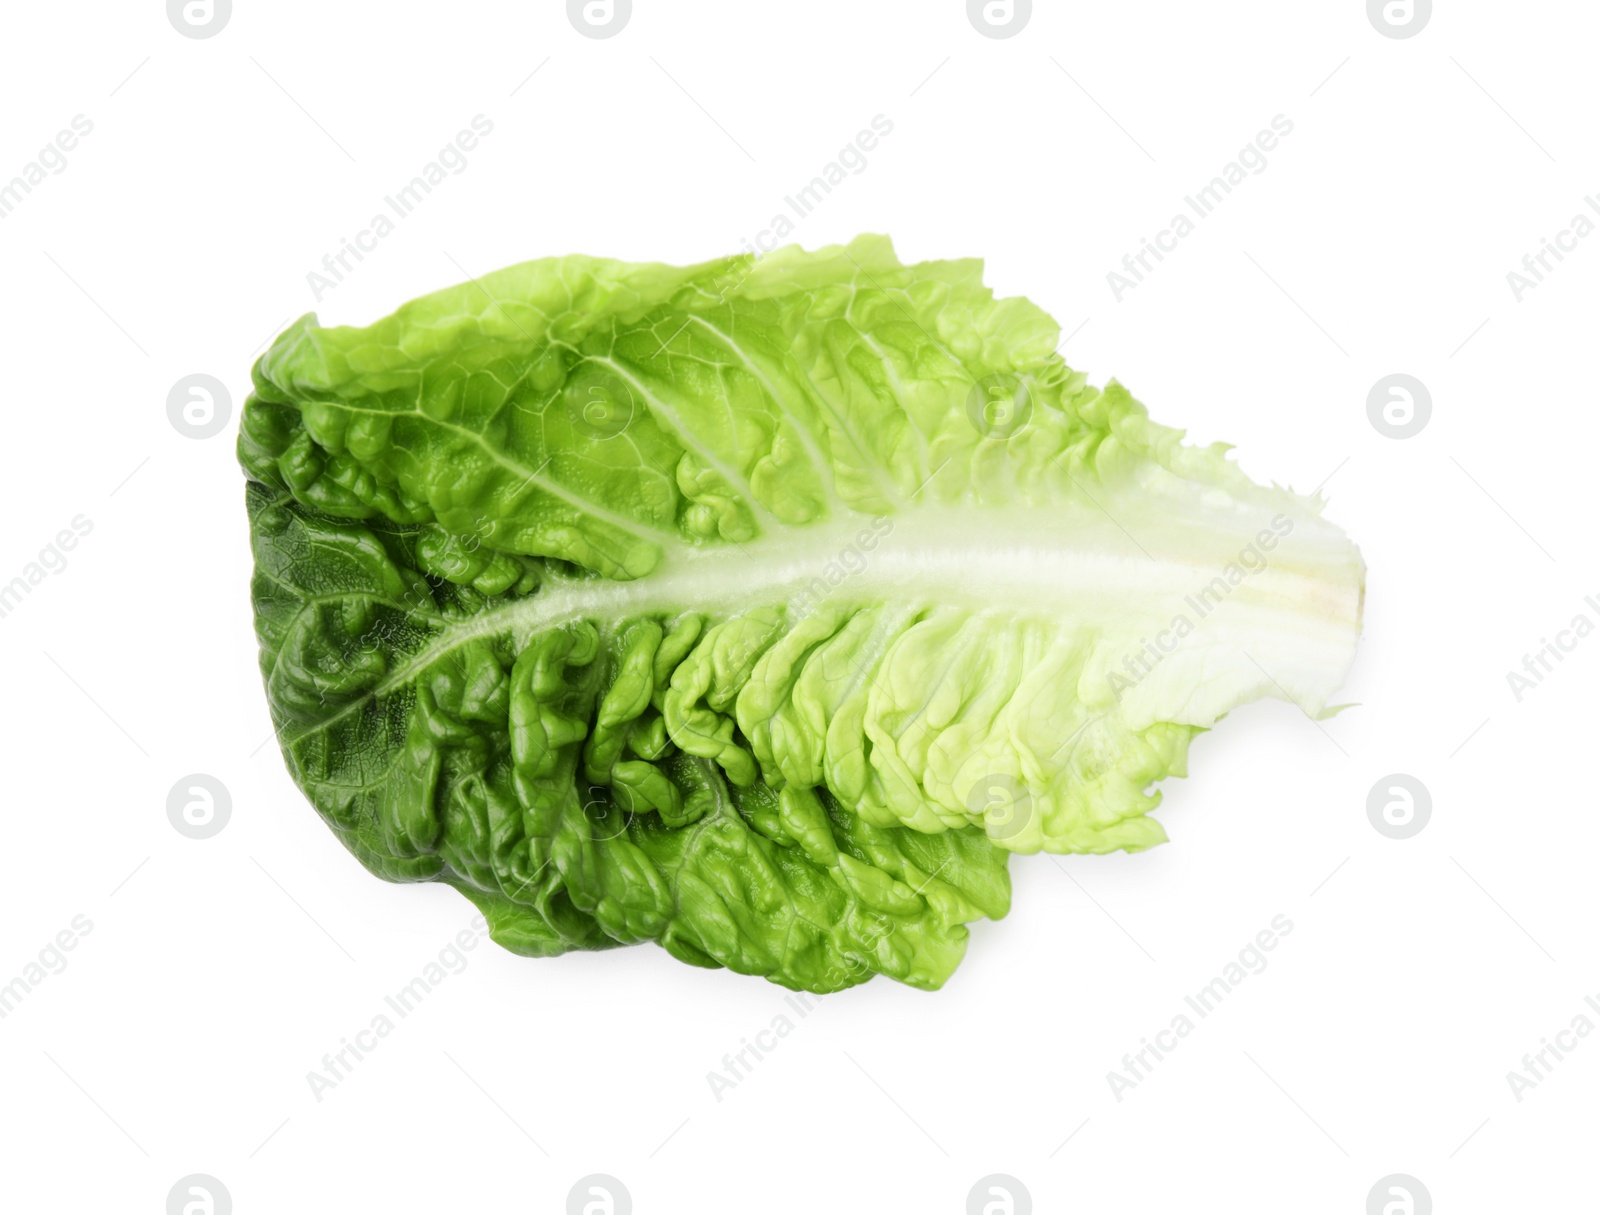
(1071,565)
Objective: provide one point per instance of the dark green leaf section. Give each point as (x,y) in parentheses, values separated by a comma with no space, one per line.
(562,778)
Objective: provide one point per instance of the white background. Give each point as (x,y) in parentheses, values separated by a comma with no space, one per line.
(1418,973)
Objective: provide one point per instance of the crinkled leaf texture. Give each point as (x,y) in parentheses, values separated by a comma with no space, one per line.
(759,608)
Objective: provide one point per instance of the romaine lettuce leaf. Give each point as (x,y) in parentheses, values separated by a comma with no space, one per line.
(759,608)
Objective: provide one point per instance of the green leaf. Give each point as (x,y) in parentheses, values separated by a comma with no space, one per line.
(758,608)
